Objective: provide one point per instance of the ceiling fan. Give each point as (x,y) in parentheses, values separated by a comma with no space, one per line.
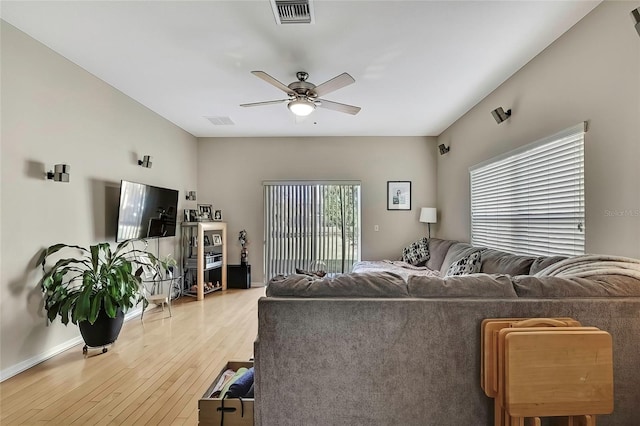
(304,97)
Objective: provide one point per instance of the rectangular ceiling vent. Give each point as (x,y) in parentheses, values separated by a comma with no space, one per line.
(220,121)
(293,11)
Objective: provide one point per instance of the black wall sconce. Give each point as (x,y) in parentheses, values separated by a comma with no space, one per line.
(60,173)
(443,149)
(191,195)
(500,115)
(635,15)
(146,161)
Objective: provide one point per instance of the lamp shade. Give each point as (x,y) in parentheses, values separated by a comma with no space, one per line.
(429,215)
(301,107)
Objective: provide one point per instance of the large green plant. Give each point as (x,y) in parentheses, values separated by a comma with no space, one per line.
(96,279)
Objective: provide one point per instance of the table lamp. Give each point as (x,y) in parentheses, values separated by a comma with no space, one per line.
(429,215)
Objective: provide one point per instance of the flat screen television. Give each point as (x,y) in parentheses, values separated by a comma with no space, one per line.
(146,211)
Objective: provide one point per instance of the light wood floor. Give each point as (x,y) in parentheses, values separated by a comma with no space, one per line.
(154,374)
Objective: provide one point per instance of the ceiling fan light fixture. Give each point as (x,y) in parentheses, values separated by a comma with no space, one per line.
(301,107)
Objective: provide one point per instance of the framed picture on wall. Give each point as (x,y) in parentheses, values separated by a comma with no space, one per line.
(398,195)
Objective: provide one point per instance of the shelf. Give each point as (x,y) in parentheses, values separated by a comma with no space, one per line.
(207,267)
(214,265)
(195,293)
(202,260)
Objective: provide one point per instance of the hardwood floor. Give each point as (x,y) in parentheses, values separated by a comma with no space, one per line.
(154,374)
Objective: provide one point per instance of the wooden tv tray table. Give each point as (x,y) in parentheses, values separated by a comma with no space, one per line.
(546,368)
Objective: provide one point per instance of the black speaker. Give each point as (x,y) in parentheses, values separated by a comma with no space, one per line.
(239,276)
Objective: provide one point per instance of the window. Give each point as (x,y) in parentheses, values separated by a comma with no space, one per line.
(531,200)
(311,225)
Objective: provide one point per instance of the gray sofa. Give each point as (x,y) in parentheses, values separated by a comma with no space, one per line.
(381,349)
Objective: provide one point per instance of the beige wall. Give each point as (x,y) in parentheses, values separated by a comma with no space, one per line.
(54,112)
(231,172)
(592,73)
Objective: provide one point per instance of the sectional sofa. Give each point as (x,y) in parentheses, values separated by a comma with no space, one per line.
(384,348)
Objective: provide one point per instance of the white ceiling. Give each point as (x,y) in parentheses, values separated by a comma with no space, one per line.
(418,65)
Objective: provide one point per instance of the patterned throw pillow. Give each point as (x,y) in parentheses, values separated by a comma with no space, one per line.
(467,265)
(416,253)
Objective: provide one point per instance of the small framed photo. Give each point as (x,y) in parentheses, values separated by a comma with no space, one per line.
(187,215)
(206,240)
(205,211)
(398,195)
(217,240)
(193,215)
(217,215)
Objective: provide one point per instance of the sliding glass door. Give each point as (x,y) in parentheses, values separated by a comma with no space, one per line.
(311,226)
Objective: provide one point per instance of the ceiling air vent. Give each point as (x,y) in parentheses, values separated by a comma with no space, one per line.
(220,121)
(293,11)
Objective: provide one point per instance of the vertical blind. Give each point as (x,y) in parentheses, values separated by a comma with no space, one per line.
(531,200)
(311,225)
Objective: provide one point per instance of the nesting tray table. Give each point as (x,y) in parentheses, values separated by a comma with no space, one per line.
(546,367)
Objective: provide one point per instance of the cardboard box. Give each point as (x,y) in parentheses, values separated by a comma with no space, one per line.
(210,409)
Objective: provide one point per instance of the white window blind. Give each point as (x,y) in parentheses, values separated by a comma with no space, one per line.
(531,200)
(312,226)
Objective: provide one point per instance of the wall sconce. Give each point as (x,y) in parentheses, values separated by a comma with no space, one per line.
(60,173)
(500,115)
(146,161)
(429,215)
(443,149)
(191,195)
(635,15)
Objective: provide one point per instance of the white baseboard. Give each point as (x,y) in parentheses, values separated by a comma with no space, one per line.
(50,353)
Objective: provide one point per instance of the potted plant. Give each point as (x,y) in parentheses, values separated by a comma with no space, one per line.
(152,289)
(94,287)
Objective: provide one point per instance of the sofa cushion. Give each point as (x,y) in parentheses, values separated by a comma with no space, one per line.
(500,262)
(467,265)
(456,252)
(372,284)
(476,286)
(416,253)
(543,261)
(598,286)
(437,252)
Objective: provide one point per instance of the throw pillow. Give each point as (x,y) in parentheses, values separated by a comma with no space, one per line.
(416,253)
(467,265)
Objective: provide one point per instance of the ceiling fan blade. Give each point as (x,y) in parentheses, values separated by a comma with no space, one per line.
(335,83)
(264,103)
(266,77)
(336,106)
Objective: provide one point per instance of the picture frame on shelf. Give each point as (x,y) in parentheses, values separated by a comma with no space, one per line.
(205,211)
(193,215)
(217,215)
(187,215)
(398,195)
(206,240)
(217,239)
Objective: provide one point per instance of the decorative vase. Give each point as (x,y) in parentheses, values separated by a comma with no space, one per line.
(244,256)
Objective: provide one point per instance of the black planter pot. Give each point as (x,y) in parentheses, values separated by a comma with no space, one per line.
(104,331)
